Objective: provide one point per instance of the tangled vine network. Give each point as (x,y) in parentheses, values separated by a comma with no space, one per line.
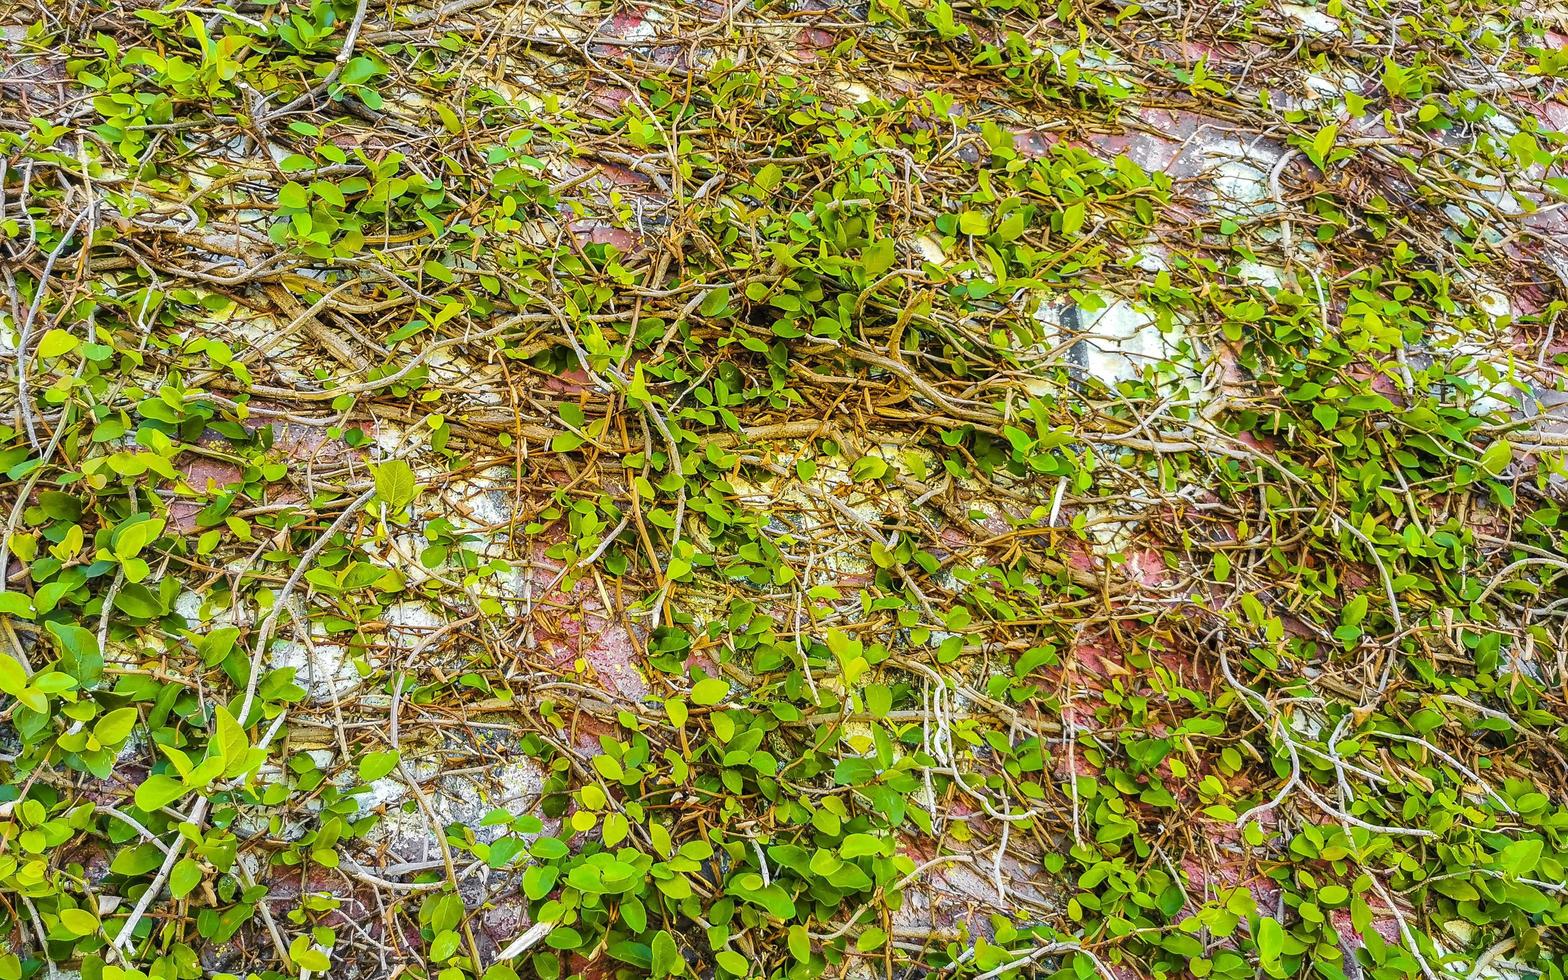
(783,488)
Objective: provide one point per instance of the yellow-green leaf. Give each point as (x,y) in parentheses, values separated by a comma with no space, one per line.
(710,691)
(56,343)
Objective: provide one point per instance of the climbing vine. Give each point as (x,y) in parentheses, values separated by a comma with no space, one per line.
(949,489)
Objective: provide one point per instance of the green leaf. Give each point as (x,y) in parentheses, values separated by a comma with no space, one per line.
(799,943)
(357,71)
(773,898)
(134,861)
(16,604)
(634,913)
(676,709)
(232,744)
(138,601)
(973,223)
(443,946)
(1461,891)
(1355,611)
(293,195)
(328,192)
(13,679)
(394,483)
(134,535)
(1322,143)
(1521,856)
(308,957)
(768,177)
(565,442)
(777,901)
(185,877)
(1072,219)
(158,791)
(34,700)
(79,653)
(879,257)
(539,879)
(1270,939)
(608,766)
(872,938)
(115,727)
(78,922)
(374,765)
(210,768)
(868,468)
(564,937)
(732,962)
(182,762)
(666,957)
(615,829)
(860,845)
(57,342)
(1497,457)
(1013,225)
(717,302)
(879,700)
(710,691)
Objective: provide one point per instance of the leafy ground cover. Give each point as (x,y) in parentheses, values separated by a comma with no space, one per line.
(897,489)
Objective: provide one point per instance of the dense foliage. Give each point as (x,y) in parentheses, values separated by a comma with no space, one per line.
(648,472)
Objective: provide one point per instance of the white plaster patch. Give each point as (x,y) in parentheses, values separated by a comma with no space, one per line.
(855,90)
(189,605)
(810,515)
(261,331)
(324,670)
(1501,123)
(514,785)
(1322,85)
(1490,354)
(1117,342)
(1496,967)
(1497,194)
(390,437)
(1240,179)
(1261,274)
(930,250)
(408,623)
(1494,301)
(483,502)
(1306,724)
(387,791)
(1312,20)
